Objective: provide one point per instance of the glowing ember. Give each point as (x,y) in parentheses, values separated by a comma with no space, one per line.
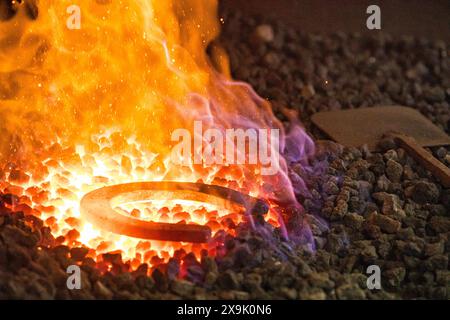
(54,192)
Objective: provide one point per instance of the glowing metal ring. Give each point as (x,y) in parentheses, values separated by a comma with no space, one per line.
(97,208)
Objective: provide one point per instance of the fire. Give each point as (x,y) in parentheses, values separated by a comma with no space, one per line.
(54,191)
(96,106)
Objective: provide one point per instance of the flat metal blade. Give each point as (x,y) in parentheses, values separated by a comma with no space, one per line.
(357,127)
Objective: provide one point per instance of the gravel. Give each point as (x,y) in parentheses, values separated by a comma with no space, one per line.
(363,208)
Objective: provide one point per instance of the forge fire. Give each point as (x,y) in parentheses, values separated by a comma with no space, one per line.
(163,149)
(102,103)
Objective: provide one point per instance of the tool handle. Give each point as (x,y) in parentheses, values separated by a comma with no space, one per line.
(437,168)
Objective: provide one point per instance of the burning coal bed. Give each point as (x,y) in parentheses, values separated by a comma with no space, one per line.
(360,208)
(97,184)
(78,208)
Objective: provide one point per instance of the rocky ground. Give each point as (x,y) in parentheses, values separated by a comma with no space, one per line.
(364,208)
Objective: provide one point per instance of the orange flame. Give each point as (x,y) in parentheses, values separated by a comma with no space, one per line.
(96,106)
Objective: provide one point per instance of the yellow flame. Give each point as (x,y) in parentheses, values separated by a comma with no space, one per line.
(97,105)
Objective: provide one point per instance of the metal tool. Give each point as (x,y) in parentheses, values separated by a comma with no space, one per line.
(407,126)
(97,207)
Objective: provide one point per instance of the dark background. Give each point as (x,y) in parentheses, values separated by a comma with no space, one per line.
(424,18)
